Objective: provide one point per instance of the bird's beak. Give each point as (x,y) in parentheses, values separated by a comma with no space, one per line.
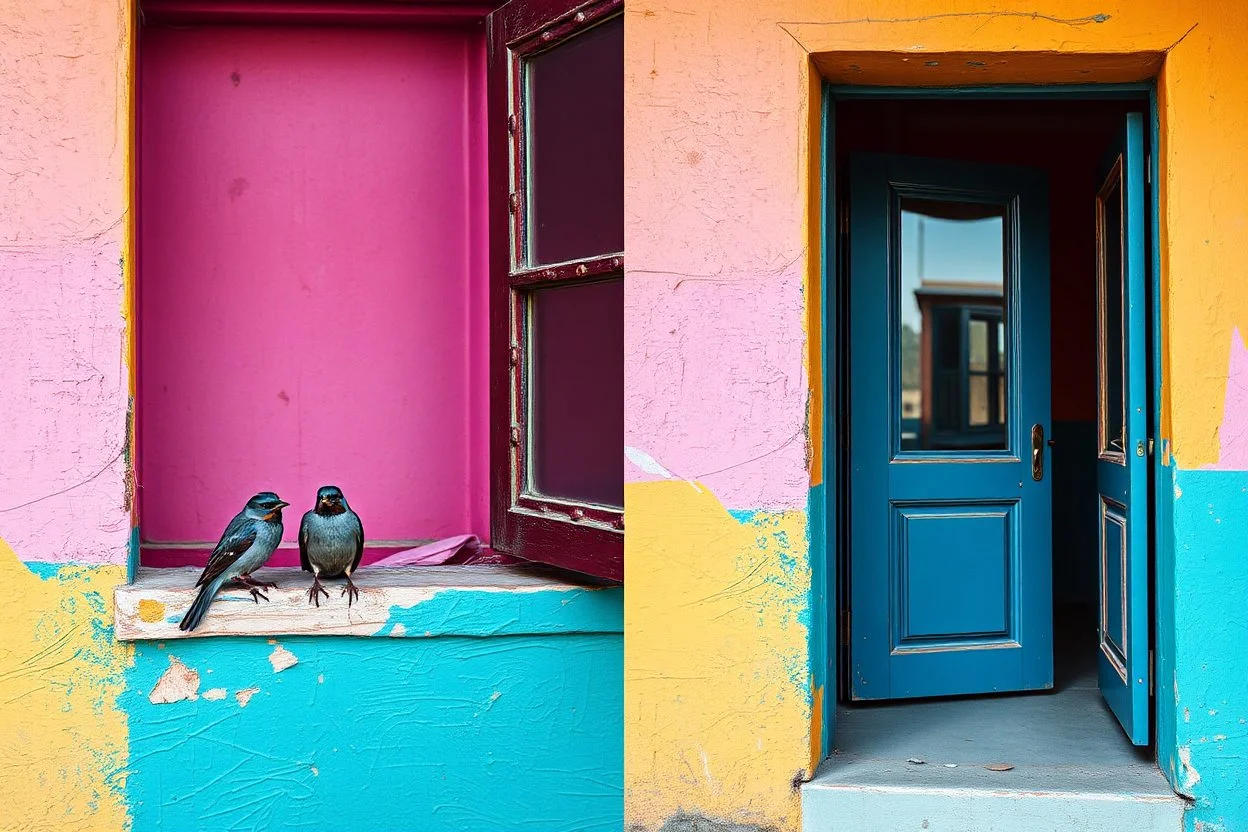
(282,504)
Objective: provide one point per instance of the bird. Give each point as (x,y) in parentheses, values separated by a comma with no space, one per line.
(331,543)
(247,543)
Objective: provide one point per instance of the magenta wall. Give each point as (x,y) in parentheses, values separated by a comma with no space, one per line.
(312,276)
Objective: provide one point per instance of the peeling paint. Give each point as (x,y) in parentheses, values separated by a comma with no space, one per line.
(281,659)
(717,606)
(244,696)
(63,765)
(214,694)
(177,684)
(151,611)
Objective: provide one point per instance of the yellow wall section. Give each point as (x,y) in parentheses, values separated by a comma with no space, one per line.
(717,702)
(62,761)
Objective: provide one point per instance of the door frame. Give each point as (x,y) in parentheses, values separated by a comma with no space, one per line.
(828,501)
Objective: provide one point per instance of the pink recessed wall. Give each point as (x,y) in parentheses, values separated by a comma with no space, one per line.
(312,277)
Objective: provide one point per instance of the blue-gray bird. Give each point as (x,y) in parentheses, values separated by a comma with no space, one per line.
(248,542)
(331,543)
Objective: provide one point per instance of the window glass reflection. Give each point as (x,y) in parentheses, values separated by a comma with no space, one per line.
(951,344)
(1109,286)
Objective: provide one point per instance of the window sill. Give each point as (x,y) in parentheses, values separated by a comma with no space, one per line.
(402,602)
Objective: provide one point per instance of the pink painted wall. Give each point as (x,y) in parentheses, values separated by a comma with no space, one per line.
(63,144)
(312,276)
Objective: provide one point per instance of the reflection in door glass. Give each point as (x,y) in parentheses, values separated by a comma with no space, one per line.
(951,345)
(1109,289)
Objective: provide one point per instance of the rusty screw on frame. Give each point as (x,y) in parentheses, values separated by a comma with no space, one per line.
(513,203)
(515,434)
(577,514)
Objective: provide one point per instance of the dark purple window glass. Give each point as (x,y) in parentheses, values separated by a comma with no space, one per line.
(575,105)
(576,392)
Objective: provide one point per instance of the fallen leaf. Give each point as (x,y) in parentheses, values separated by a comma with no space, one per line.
(999,766)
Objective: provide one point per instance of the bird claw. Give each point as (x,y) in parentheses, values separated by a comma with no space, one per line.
(351,592)
(315,593)
(256,595)
(264,584)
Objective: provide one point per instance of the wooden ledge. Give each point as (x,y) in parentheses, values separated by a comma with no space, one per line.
(404,602)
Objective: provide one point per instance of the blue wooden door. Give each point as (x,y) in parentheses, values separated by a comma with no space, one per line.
(1122,438)
(950,504)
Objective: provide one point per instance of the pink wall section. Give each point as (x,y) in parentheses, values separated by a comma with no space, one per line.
(63,204)
(312,276)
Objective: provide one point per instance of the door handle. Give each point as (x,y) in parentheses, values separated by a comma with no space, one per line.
(1037,452)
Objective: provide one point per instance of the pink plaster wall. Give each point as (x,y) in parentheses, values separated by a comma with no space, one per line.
(63,378)
(715,382)
(1233,433)
(312,279)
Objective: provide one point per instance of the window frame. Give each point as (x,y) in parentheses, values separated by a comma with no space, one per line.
(578,536)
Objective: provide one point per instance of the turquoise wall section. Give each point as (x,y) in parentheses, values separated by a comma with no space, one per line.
(454,733)
(1209,676)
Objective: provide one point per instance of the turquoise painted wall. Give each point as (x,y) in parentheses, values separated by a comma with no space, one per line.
(1206,670)
(455,733)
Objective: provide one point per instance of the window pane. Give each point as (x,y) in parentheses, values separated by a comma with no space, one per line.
(576,392)
(979,346)
(575,139)
(951,304)
(978,404)
(1109,285)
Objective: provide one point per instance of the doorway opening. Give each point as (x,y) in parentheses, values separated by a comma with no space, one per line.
(952,390)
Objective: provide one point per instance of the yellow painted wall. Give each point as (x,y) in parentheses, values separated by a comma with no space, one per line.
(721,103)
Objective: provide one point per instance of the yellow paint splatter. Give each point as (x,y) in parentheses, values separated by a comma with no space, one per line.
(151,611)
(61,672)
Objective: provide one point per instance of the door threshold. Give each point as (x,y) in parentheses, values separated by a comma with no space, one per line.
(1072,768)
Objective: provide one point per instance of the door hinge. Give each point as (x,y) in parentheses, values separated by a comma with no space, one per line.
(1148,169)
(1150,446)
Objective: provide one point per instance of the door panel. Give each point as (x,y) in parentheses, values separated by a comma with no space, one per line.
(950,539)
(1122,465)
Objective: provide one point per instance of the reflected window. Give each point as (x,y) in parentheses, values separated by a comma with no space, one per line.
(1109,311)
(951,343)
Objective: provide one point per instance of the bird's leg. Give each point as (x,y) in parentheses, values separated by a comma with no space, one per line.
(315,593)
(256,595)
(350,590)
(252,582)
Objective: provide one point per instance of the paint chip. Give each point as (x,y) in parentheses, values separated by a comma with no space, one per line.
(281,658)
(398,630)
(151,611)
(1000,766)
(214,694)
(244,696)
(178,683)
(1190,775)
(320,678)
(316,772)
(951,765)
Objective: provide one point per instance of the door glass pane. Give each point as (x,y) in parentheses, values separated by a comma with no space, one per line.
(576,392)
(574,100)
(951,298)
(1109,290)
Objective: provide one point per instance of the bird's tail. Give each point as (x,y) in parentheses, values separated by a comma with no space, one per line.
(200,607)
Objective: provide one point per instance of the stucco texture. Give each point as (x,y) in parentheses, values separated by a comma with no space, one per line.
(722,365)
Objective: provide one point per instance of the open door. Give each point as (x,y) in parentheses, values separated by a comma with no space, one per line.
(1123,442)
(950,500)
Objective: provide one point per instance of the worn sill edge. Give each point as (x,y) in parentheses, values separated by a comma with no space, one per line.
(402,602)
